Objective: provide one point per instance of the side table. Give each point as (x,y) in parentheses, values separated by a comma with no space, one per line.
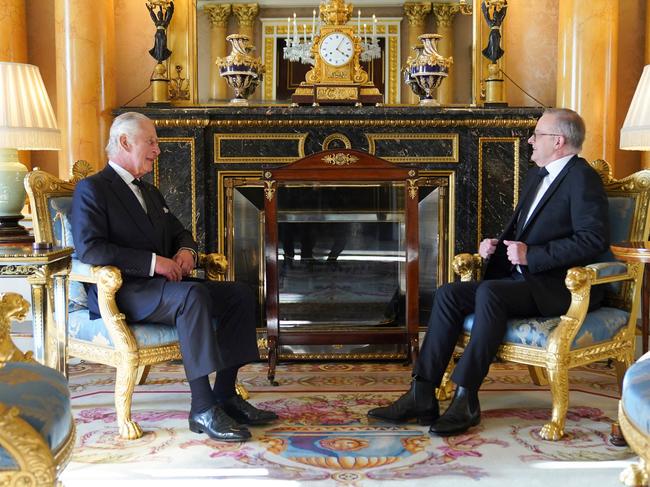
(47,272)
(638,252)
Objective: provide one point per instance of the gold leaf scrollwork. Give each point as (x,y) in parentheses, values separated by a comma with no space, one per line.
(412,188)
(340,159)
(269,190)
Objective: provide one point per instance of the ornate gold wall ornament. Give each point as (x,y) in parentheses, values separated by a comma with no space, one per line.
(416,13)
(269,189)
(340,159)
(17,270)
(412,188)
(336,136)
(246,13)
(218,13)
(179,87)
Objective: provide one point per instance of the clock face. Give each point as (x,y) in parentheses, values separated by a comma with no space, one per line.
(336,49)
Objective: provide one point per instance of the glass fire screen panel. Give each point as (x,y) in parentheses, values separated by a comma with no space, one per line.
(341,255)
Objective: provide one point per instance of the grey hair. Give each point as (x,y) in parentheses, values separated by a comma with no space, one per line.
(570,125)
(125,124)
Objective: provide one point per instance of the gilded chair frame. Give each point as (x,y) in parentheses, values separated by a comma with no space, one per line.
(131,361)
(37,464)
(551,365)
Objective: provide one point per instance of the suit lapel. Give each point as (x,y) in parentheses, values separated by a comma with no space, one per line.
(549,192)
(132,206)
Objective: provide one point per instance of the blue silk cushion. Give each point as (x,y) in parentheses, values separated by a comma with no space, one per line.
(41,394)
(635,397)
(600,325)
(81,327)
(59,209)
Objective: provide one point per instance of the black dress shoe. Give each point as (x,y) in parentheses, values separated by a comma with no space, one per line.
(245,413)
(463,413)
(418,402)
(218,425)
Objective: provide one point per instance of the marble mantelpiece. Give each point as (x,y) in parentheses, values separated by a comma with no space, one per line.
(485,149)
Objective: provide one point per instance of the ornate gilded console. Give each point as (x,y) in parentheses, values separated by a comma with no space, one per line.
(213,160)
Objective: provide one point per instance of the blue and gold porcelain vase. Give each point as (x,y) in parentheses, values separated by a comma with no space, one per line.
(242,71)
(424,72)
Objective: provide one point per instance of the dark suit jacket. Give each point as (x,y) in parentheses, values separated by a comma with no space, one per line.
(110,227)
(569,227)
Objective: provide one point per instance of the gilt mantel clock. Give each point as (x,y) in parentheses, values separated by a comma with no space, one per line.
(337,77)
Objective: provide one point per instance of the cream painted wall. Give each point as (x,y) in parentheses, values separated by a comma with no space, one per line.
(531,47)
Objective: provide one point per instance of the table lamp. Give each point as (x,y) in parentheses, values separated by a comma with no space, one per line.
(635,134)
(27,122)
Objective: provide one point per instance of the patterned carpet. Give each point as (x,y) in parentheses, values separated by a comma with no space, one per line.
(325,439)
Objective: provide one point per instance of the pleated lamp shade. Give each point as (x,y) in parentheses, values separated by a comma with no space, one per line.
(27,120)
(635,134)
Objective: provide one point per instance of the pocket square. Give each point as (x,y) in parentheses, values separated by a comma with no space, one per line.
(165,209)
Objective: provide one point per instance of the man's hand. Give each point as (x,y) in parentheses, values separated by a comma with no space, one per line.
(185,259)
(516,252)
(168,268)
(487,247)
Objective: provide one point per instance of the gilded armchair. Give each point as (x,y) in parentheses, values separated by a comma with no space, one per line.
(110,340)
(552,346)
(37,431)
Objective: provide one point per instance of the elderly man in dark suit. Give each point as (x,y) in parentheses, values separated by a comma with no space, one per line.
(123,221)
(560,222)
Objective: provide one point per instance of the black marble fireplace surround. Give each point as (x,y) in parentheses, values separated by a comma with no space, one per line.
(482,152)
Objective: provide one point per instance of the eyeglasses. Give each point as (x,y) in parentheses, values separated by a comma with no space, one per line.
(539,134)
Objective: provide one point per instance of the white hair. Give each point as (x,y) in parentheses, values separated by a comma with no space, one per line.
(128,124)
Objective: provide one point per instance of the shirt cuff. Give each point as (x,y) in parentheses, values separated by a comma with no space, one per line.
(152,267)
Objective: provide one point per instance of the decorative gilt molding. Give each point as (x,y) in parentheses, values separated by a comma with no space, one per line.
(336,136)
(268,87)
(444,14)
(269,190)
(218,14)
(416,13)
(181,123)
(393,70)
(340,159)
(471,123)
(245,13)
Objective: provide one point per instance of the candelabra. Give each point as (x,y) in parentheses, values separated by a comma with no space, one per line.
(298,48)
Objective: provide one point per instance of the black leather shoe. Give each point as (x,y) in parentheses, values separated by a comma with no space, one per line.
(418,402)
(218,425)
(463,413)
(245,413)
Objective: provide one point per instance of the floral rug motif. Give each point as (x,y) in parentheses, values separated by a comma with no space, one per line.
(324,437)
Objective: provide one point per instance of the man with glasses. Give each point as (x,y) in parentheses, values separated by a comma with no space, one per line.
(561,221)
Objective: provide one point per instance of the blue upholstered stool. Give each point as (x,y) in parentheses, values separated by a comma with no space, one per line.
(634,418)
(37,430)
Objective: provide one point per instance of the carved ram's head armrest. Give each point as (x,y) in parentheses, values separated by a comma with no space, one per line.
(12,307)
(467,266)
(215,266)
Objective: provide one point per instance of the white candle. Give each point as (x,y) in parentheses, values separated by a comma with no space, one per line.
(359,22)
(304,33)
(365,37)
(313,24)
(295,28)
(288,28)
(374,29)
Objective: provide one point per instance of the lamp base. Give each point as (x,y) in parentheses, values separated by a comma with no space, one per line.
(11,233)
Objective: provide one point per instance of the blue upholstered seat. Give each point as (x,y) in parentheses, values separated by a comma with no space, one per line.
(635,399)
(41,394)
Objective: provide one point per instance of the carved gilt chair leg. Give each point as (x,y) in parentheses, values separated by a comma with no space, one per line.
(446,387)
(143,373)
(124,385)
(559,381)
(621,365)
(538,375)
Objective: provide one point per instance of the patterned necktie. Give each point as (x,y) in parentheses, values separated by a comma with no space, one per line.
(148,201)
(530,197)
